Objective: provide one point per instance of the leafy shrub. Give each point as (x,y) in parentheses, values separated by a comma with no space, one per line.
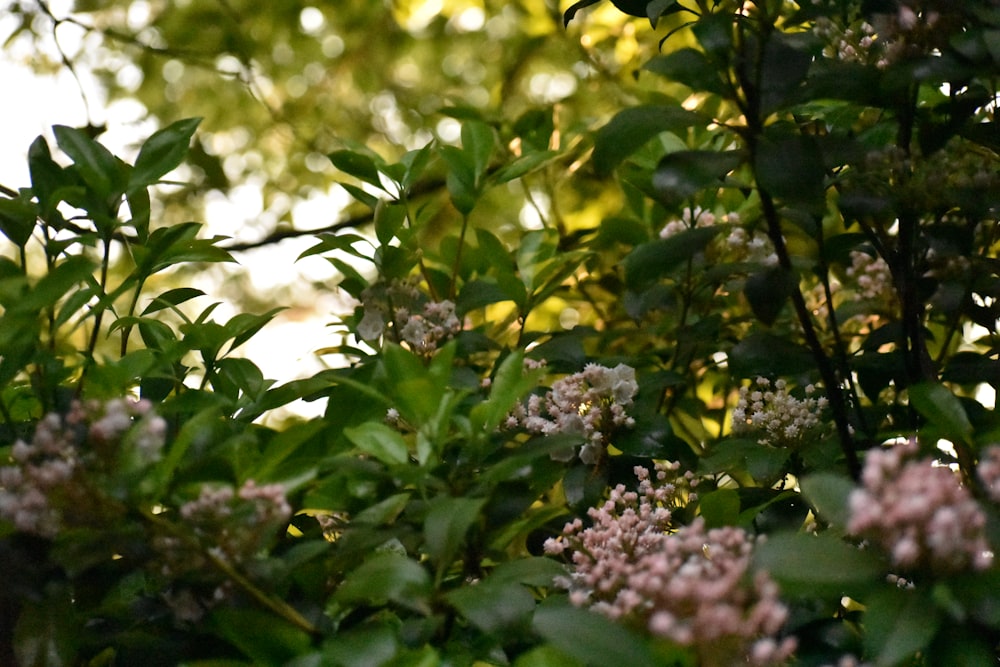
(798,293)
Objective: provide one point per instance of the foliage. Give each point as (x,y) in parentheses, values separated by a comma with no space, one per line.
(743,415)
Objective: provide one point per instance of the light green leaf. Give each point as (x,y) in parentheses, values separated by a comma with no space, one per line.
(380,441)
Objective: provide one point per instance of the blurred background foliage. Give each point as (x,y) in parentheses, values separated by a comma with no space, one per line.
(281,85)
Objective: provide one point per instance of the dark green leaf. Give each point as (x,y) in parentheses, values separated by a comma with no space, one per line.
(101,170)
(942,409)
(651,261)
(389,217)
(17,219)
(522,166)
(365,646)
(767,292)
(632,128)
(898,624)
(828,493)
(808,565)
(172,297)
(494,607)
(478,143)
(387,577)
(691,68)
(357,165)
(685,173)
(720,507)
(162,153)
(590,637)
(262,637)
(768,355)
(447,522)
(791,169)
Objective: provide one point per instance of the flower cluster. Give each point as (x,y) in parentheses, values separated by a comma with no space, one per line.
(919,512)
(237,523)
(774,416)
(690,218)
(692,586)
(989,472)
(230,527)
(856,43)
(872,278)
(46,488)
(750,246)
(591,403)
(421,323)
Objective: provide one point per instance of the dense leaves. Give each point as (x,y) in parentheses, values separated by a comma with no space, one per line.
(700,378)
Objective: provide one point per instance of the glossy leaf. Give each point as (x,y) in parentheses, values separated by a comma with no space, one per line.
(162,152)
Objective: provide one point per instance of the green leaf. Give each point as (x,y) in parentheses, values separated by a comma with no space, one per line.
(691,68)
(828,493)
(47,177)
(380,441)
(720,507)
(634,127)
(262,637)
(283,446)
(388,577)
(546,656)
(478,142)
(791,169)
(139,211)
(591,638)
(461,179)
(767,355)
(767,292)
(17,219)
(243,326)
(510,383)
(446,524)
(365,646)
(682,174)
(810,565)
(162,152)
(942,409)
(523,165)
(357,165)
(651,261)
(56,284)
(493,607)
(172,297)
(898,624)
(101,170)
(389,218)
